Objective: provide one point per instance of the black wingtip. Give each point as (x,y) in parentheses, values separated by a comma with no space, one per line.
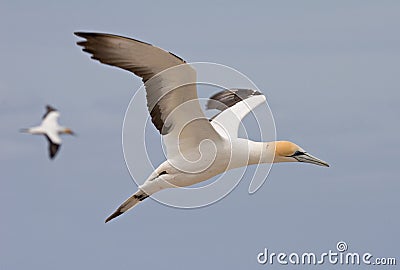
(87,35)
(50,108)
(84,35)
(80,34)
(114,215)
(53,151)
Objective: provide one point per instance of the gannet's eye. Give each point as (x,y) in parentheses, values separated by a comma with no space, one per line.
(297,153)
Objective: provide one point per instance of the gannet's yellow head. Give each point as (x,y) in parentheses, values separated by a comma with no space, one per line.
(289,152)
(68,131)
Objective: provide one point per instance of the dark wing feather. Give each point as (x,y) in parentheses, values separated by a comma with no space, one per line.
(227,98)
(49,109)
(53,148)
(141,58)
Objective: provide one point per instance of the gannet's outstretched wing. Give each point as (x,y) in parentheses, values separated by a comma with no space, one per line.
(50,118)
(53,147)
(234,105)
(171,93)
(49,109)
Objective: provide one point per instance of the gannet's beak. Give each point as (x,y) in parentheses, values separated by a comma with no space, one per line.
(307,158)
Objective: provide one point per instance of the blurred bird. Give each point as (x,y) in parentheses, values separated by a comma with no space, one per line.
(175,111)
(50,129)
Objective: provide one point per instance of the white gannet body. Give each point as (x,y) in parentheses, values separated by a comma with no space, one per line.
(50,129)
(197,148)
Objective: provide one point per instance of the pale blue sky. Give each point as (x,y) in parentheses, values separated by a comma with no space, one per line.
(330,72)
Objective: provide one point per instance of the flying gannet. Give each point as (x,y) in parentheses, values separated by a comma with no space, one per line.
(197,148)
(50,129)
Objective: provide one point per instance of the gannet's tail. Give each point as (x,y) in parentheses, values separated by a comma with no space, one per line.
(129,204)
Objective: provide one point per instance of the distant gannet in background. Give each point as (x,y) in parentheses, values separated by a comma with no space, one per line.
(51,130)
(176,113)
